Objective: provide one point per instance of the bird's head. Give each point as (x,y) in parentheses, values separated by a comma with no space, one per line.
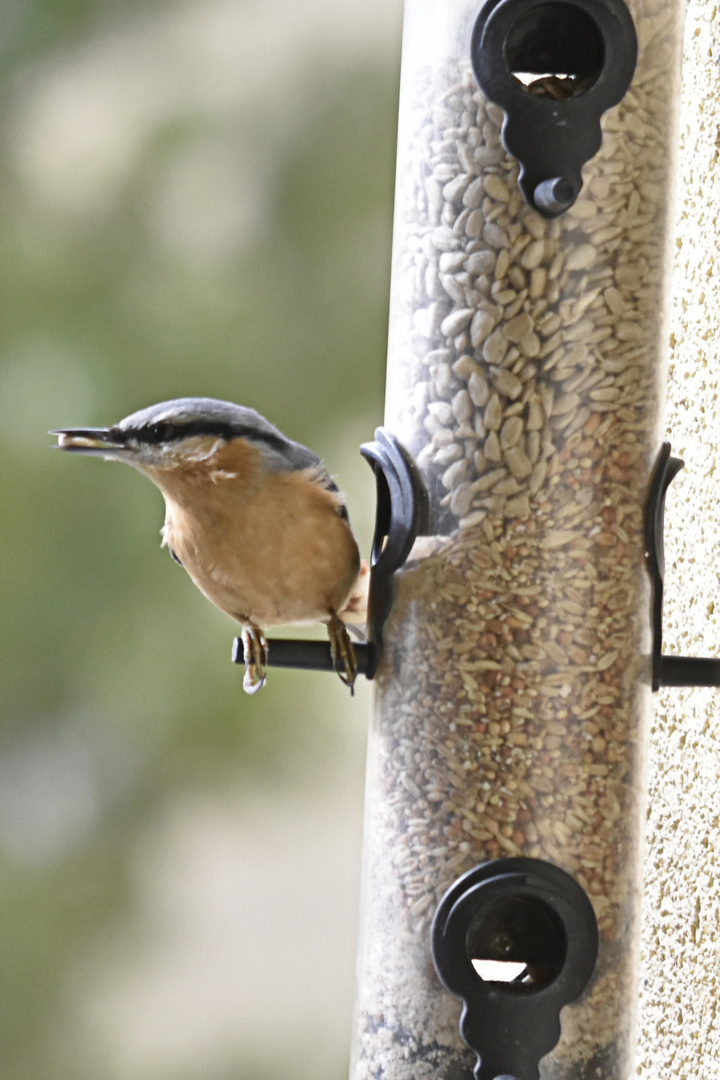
(183,432)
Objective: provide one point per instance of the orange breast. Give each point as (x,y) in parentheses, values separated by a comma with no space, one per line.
(261,546)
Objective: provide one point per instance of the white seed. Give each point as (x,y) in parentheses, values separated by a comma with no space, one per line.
(581,330)
(441,411)
(517,328)
(629,275)
(493,414)
(504,296)
(535,415)
(518,462)
(533,255)
(444,239)
(462,406)
(628,331)
(447,454)
(467,522)
(492,447)
(481,327)
(502,264)
(605,393)
(454,474)
(461,500)
(474,194)
(581,258)
(537,476)
(507,383)
(474,225)
(557,538)
(511,432)
(478,388)
(495,347)
(495,114)
(465,367)
(519,506)
(535,225)
(599,186)
(529,345)
(494,236)
(508,486)
(456,322)
(451,261)
(439,356)
(538,281)
(489,480)
(454,190)
(614,300)
(480,262)
(496,188)
(602,236)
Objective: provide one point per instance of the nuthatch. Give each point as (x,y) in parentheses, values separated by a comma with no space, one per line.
(253,517)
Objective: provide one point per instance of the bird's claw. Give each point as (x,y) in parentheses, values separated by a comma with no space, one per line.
(341,649)
(255,655)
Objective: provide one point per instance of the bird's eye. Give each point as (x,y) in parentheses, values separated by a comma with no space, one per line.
(159,432)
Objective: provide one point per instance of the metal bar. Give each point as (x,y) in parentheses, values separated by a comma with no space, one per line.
(689,671)
(311,655)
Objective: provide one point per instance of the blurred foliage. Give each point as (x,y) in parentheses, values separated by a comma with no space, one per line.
(116,686)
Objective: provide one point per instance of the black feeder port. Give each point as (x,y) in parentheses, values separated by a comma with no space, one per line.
(554,67)
(516,939)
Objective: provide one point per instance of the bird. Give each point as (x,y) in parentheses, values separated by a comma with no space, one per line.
(254,518)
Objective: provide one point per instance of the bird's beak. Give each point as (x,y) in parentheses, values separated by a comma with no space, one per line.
(97,442)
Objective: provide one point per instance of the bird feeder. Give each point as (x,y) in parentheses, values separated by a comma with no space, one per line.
(507,751)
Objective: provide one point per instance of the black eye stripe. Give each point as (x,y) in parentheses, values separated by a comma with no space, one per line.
(155,434)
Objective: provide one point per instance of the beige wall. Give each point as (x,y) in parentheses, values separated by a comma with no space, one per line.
(680,978)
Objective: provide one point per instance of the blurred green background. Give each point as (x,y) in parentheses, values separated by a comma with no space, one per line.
(195,198)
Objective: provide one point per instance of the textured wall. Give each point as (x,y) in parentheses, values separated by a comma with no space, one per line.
(679,1036)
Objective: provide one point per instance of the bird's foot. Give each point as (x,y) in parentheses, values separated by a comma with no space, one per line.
(341,648)
(255,655)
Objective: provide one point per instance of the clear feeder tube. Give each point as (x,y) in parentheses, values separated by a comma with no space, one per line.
(525,376)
